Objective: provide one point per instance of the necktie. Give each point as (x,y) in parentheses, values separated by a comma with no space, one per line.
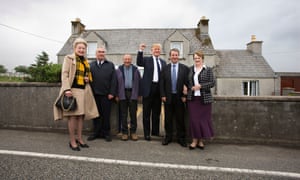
(174,78)
(158,67)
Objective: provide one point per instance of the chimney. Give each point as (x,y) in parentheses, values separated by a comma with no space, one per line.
(77,27)
(255,46)
(203,25)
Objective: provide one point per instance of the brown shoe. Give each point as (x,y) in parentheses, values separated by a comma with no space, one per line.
(124,137)
(134,137)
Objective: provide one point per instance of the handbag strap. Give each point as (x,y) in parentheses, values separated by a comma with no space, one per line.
(62,104)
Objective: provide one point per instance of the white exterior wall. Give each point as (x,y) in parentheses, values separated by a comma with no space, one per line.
(233,87)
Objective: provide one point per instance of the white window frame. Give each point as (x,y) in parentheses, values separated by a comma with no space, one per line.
(178,45)
(91,49)
(250,88)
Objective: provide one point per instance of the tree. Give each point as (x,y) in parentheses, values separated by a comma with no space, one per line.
(41,60)
(2,69)
(42,71)
(22,69)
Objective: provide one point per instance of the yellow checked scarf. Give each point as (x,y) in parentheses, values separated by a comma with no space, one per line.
(82,70)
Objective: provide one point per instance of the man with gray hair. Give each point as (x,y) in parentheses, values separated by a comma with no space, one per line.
(128,77)
(104,87)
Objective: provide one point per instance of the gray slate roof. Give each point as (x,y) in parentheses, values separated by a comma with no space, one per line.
(120,41)
(242,64)
(232,63)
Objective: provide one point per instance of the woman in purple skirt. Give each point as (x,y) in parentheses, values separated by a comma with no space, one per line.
(201,80)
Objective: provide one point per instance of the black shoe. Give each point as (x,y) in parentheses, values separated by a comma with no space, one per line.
(74,148)
(108,138)
(147,138)
(82,145)
(166,141)
(182,143)
(92,137)
(200,147)
(191,147)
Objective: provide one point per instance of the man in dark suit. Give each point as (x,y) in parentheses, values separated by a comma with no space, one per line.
(173,78)
(104,87)
(150,88)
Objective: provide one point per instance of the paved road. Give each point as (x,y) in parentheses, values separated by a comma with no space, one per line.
(45,155)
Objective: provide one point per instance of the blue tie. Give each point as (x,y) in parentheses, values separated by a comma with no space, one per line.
(174,78)
(158,68)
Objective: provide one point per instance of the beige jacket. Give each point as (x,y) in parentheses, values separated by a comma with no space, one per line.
(67,77)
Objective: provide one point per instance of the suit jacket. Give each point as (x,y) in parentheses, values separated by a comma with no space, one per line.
(147,63)
(104,78)
(136,78)
(166,81)
(206,80)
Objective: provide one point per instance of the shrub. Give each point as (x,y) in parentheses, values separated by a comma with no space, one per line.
(43,71)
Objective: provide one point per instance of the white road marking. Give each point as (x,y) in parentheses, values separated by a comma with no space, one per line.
(150,164)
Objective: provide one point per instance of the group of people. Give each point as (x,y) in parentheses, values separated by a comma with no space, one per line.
(97,84)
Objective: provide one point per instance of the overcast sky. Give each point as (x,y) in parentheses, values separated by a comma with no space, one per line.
(46,25)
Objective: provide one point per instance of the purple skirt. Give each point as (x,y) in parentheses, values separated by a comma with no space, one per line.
(200,119)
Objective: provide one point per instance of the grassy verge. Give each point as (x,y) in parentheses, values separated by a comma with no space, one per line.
(11,79)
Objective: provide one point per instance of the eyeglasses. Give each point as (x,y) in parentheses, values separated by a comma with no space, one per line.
(197,58)
(101,51)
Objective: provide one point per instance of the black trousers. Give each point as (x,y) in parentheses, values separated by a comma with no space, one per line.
(174,112)
(102,123)
(152,108)
(128,105)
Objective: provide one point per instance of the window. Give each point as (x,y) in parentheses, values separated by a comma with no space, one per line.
(91,49)
(250,88)
(179,46)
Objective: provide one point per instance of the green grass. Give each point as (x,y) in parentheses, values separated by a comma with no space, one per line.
(11,79)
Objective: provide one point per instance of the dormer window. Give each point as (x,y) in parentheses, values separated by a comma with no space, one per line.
(178,45)
(91,49)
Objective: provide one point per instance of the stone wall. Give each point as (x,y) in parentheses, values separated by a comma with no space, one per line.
(272,119)
(257,119)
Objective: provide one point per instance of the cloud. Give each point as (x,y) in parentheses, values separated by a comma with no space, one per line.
(232,22)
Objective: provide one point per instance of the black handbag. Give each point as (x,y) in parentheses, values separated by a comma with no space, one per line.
(66,103)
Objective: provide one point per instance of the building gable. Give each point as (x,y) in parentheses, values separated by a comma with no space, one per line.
(94,37)
(179,41)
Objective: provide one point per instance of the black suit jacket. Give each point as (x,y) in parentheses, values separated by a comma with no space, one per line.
(166,81)
(104,78)
(147,63)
